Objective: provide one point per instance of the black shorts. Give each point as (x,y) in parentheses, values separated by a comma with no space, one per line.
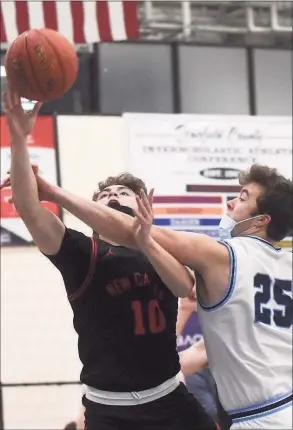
(178,410)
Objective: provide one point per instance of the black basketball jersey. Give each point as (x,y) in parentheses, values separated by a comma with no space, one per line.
(124,315)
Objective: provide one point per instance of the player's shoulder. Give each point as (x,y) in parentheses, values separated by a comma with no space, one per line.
(75,252)
(254,247)
(251,241)
(75,241)
(76,234)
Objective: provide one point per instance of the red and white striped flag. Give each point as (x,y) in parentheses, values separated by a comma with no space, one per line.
(79,21)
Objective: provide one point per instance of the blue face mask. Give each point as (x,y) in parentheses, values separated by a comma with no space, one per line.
(226,227)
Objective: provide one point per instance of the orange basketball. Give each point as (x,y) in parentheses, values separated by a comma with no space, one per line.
(41,64)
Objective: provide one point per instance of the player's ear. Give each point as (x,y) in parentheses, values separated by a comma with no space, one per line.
(263,220)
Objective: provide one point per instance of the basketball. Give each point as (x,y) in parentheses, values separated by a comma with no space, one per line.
(41,65)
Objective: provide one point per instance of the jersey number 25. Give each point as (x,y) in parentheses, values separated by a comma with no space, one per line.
(280,308)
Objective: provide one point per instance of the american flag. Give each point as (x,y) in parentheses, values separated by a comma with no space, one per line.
(79,21)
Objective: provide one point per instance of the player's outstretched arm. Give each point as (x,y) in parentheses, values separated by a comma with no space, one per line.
(197,251)
(46,229)
(193,250)
(175,275)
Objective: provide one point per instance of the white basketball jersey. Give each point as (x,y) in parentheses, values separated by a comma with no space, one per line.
(248,335)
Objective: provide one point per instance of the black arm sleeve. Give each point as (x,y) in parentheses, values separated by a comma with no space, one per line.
(75,260)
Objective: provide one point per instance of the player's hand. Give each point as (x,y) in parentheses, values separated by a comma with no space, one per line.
(192,295)
(20,123)
(188,304)
(143,219)
(182,377)
(45,190)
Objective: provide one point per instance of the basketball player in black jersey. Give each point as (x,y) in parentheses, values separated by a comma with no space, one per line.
(124,312)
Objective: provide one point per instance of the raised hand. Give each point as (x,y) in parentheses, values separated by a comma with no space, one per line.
(143,219)
(20,123)
(45,190)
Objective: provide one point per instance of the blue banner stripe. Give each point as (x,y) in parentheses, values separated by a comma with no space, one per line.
(186,222)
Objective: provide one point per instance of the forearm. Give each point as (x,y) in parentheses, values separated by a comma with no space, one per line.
(172,241)
(193,359)
(105,221)
(23,182)
(182,318)
(174,275)
(117,227)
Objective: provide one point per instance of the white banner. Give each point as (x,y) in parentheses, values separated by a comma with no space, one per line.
(193,161)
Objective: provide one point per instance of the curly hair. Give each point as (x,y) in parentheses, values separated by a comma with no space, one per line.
(125,179)
(276,200)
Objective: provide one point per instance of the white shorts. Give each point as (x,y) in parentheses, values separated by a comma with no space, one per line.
(134,398)
(275,413)
(276,419)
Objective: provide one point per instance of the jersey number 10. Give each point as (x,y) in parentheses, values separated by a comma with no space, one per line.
(155,319)
(281,308)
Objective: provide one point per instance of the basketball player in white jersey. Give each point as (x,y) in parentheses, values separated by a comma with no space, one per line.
(244,289)
(245,298)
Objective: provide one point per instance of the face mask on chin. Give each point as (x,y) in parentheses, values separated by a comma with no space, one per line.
(228,224)
(226,227)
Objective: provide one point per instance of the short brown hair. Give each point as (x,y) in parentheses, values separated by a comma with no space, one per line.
(125,179)
(276,201)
